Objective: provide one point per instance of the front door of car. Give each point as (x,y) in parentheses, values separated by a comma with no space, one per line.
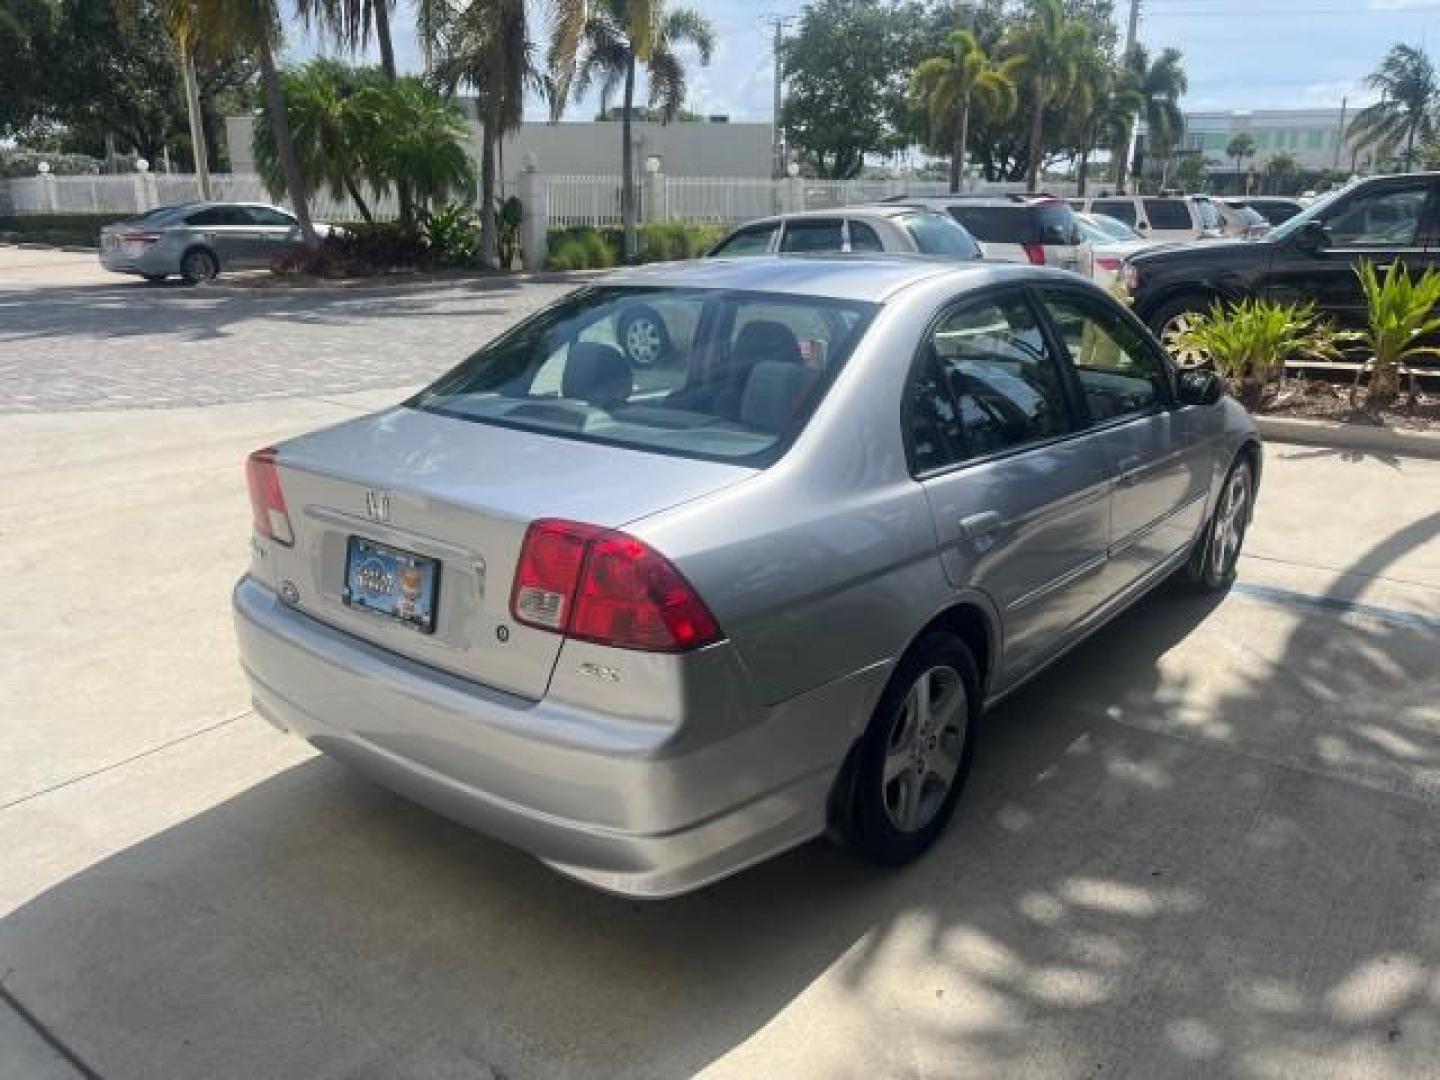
(1160,454)
(1020,495)
(229,232)
(275,232)
(1382,223)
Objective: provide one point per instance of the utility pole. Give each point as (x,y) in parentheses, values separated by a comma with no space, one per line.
(1131,32)
(777,135)
(1340,137)
(1133,29)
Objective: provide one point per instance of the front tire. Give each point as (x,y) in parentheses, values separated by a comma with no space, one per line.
(1213,563)
(916,754)
(199,266)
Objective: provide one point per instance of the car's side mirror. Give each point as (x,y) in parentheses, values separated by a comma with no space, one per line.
(1200,386)
(1312,236)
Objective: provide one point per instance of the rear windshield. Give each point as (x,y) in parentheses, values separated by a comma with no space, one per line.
(935,234)
(1119,209)
(717,374)
(1168,214)
(1033,223)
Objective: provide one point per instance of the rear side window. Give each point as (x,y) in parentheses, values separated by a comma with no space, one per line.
(219,215)
(1168,214)
(738,375)
(1057,223)
(812,234)
(999,224)
(1120,209)
(935,234)
(985,383)
(751,240)
(263,215)
(863,237)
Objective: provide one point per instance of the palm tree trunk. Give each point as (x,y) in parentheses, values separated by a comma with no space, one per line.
(1122,161)
(382,36)
(1410,145)
(488,240)
(197,125)
(1083,173)
(354,192)
(1037,120)
(627,168)
(284,145)
(957,155)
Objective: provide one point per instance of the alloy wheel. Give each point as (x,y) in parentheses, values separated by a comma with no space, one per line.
(1176,325)
(644,341)
(925,748)
(1230,521)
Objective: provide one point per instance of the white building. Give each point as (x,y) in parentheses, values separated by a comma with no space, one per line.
(1313,137)
(684,147)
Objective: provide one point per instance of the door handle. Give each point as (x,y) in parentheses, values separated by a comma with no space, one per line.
(978,525)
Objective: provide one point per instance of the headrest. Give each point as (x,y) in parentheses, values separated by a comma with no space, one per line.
(766,342)
(774,393)
(597,373)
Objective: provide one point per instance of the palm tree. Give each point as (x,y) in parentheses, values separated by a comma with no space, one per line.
(485,44)
(1095,104)
(617,37)
(947,86)
(1048,50)
(1409,94)
(179,19)
(1156,89)
(1281,170)
(256,26)
(1241,146)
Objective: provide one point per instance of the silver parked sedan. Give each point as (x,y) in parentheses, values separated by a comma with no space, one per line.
(199,241)
(657,624)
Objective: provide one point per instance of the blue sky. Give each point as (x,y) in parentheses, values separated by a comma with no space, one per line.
(1240,54)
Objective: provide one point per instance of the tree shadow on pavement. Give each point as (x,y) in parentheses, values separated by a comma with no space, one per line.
(1206,844)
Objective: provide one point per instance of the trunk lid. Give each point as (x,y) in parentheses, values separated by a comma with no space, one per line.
(463,494)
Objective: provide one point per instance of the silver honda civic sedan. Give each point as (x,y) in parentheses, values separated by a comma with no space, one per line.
(655,624)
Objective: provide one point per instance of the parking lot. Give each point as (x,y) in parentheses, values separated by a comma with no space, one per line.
(1206,844)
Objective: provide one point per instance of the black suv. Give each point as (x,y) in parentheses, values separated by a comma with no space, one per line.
(1313,256)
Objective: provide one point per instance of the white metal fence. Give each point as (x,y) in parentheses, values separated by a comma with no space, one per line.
(136,192)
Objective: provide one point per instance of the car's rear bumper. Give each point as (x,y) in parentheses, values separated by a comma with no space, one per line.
(605,799)
(122,261)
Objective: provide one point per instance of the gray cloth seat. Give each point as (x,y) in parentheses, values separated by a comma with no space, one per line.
(774,393)
(759,342)
(597,374)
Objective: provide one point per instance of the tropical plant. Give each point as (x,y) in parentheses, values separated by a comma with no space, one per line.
(1153,90)
(1249,341)
(618,37)
(1401,320)
(1047,51)
(1240,147)
(949,85)
(508,219)
(1409,93)
(256,25)
(451,232)
(485,45)
(1282,170)
(421,141)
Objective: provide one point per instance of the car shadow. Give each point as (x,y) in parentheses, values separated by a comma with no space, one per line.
(1152,873)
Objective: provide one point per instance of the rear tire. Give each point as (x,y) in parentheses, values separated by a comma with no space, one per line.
(643,335)
(1213,563)
(915,756)
(199,266)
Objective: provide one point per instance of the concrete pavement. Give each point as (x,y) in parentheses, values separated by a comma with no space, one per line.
(1207,844)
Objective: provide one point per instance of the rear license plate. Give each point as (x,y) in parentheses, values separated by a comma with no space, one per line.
(391,583)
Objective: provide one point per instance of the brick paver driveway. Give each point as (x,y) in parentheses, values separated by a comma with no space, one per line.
(125,345)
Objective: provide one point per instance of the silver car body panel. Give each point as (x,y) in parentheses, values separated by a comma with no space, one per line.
(654,774)
(247,246)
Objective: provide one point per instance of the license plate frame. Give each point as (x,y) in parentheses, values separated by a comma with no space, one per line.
(378,581)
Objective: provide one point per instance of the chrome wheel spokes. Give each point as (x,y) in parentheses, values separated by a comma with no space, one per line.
(923,754)
(1230,521)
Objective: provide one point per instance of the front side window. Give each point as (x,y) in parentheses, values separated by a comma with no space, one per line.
(739,376)
(936,234)
(213,216)
(751,240)
(1118,375)
(985,383)
(263,215)
(1168,214)
(863,237)
(1388,218)
(812,234)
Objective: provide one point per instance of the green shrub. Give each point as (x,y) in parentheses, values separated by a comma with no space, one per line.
(453,233)
(582,249)
(1400,324)
(586,248)
(674,240)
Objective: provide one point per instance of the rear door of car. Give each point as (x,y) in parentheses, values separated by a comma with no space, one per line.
(230,233)
(1020,494)
(1160,455)
(1384,222)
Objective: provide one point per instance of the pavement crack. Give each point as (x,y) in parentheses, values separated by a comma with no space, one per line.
(46,1032)
(126,761)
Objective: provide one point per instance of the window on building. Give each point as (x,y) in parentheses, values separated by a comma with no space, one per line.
(1314,139)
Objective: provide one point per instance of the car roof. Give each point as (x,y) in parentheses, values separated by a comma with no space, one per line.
(1018,199)
(886,210)
(869,277)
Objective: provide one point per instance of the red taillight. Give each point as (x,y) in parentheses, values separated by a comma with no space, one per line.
(1108,264)
(267,501)
(608,587)
(141,237)
(1035,253)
